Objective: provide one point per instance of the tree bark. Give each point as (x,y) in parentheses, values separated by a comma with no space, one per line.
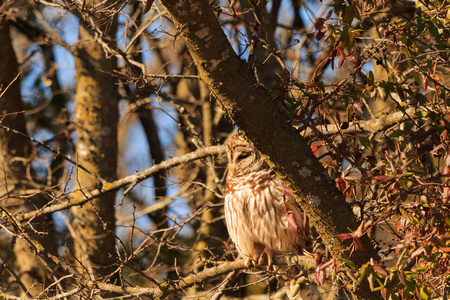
(96,118)
(13,161)
(252,109)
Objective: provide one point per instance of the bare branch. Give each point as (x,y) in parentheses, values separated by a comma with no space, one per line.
(165,77)
(167,288)
(3,91)
(373,125)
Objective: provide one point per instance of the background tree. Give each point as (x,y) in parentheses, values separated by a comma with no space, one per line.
(111,184)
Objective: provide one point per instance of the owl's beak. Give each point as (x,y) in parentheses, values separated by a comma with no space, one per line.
(233,170)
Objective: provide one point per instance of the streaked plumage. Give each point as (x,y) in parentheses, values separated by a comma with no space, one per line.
(257,207)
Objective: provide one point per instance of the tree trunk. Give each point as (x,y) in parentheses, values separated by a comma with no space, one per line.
(96,118)
(13,161)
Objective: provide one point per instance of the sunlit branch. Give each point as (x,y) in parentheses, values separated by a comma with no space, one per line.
(166,288)
(372,126)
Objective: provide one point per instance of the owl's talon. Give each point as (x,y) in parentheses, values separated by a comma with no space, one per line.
(269,261)
(248,263)
(262,258)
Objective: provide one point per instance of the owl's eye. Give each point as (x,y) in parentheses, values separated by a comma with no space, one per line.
(243,156)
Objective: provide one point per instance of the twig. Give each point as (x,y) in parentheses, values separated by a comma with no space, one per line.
(230,277)
(139,32)
(12,81)
(165,77)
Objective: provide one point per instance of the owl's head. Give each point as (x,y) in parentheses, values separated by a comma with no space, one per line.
(242,157)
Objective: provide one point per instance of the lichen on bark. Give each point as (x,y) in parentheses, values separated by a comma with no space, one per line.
(96,117)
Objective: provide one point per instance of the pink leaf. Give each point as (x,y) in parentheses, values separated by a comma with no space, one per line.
(417,252)
(380,271)
(291,220)
(344,236)
(287,192)
(319,277)
(329,264)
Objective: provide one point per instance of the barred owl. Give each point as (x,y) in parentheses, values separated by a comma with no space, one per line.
(262,216)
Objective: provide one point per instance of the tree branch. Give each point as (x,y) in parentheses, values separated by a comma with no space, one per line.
(373,125)
(222,268)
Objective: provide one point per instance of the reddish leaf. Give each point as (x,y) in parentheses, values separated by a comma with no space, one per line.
(338,117)
(380,271)
(425,83)
(383,177)
(358,243)
(340,184)
(329,264)
(319,277)
(353,177)
(318,258)
(318,35)
(417,252)
(319,23)
(402,278)
(314,149)
(291,220)
(344,236)
(341,53)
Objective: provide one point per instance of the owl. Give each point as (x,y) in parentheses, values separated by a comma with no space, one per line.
(262,216)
